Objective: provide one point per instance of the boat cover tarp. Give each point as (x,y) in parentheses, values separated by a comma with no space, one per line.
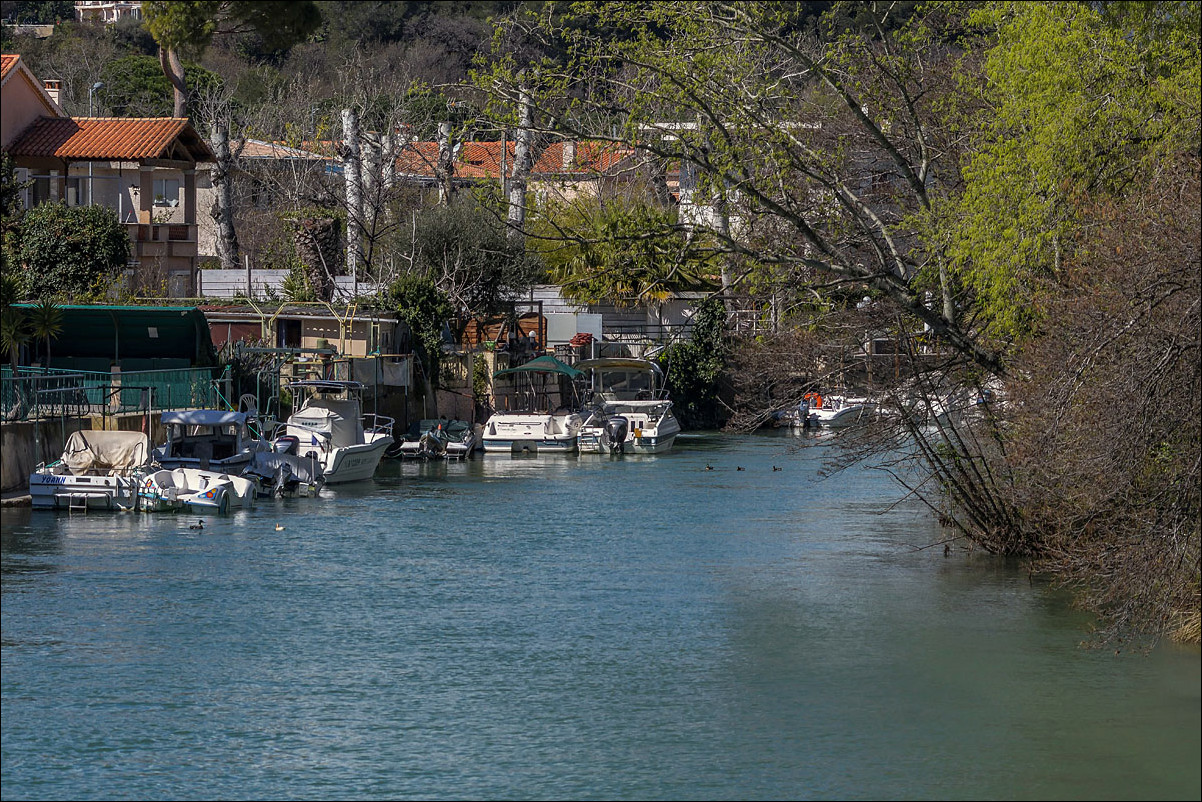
(338,419)
(542,364)
(103,451)
(268,465)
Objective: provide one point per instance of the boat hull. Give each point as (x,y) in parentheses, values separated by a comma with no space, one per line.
(355,463)
(197,491)
(534,434)
(49,491)
(519,446)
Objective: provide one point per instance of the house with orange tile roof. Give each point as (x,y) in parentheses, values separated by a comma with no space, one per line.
(564,170)
(145,169)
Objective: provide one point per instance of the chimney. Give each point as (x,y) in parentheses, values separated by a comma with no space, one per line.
(569,155)
(53,87)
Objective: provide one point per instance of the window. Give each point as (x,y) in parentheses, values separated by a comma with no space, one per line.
(166,192)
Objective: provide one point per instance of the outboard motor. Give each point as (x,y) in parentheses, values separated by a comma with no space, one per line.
(287,444)
(613,436)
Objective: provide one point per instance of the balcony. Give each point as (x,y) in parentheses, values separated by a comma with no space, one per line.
(152,240)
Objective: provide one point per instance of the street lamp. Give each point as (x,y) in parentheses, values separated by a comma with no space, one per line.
(91,92)
(95,86)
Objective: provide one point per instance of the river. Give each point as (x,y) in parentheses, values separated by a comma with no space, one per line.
(569,627)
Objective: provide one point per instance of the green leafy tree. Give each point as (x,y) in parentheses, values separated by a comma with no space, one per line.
(134,86)
(620,252)
(806,150)
(69,252)
(188,26)
(11,212)
(426,309)
(695,368)
(28,12)
(463,250)
(14,333)
(1069,103)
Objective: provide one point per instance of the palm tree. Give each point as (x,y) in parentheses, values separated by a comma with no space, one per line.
(13,333)
(46,322)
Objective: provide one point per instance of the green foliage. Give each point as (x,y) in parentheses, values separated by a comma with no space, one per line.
(11,211)
(695,368)
(462,249)
(1071,104)
(135,86)
(69,252)
(45,324)
(426,310)
(480,379)
(14,332)
(295,287)
(30,12)
(619,252)
(189,25)
(10,288)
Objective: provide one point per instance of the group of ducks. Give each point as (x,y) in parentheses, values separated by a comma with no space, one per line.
(709,467)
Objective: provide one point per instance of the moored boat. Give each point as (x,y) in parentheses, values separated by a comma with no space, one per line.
(97,470)
(543,413)
(628,409)
(438,438)
(208,440)
(834,411)
(173,490)
(331,428)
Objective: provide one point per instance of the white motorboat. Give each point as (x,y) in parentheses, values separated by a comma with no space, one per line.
(439,438)
(173,490)
(834,411)
(97,470)
(331,428)
(543,410)
(628,410)
(209,440)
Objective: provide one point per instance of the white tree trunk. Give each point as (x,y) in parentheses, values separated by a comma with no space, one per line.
(224,208)
(352,173)
(444,171)
(523,163)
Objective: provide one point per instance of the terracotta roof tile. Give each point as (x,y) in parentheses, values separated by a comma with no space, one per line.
(109,138)
(7,62)
(483,159)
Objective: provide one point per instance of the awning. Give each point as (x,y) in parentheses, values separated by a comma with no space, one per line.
(542,364)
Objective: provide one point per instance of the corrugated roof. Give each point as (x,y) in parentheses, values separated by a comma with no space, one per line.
(126,138)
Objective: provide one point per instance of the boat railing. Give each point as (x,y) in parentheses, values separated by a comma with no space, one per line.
(378,424)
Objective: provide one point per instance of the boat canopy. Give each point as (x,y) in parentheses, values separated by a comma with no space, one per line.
(99,451)
(542,364)
(203,417)
(617,363)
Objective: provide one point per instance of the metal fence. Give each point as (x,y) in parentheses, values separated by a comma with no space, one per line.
(48,393)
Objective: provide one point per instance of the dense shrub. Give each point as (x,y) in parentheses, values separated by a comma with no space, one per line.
(70,252)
